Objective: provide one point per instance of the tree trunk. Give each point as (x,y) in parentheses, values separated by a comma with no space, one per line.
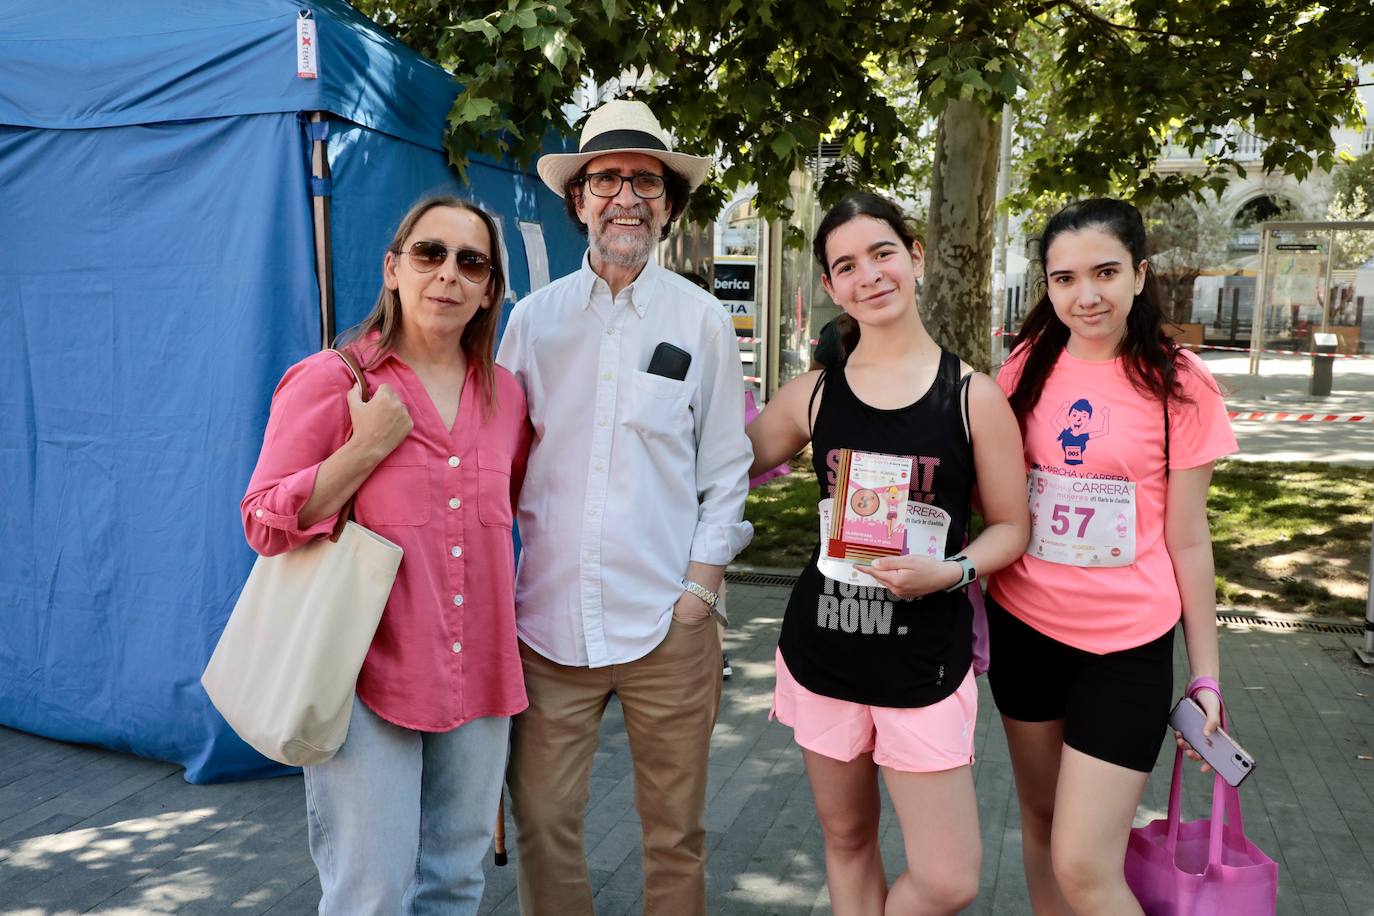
(955,295)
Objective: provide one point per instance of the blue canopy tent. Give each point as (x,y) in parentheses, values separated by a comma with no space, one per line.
(159,227)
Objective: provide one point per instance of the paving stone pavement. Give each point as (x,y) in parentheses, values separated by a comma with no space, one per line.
(90,830)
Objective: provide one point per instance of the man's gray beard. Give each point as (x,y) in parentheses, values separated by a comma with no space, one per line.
(623,257)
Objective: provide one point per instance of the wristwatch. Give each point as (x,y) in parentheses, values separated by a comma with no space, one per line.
(969,572)
(702,592)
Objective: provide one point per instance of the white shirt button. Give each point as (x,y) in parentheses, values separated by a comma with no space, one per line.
(457,647)
(610,332)
(257,513)
(457,600)
(454,461)
(601,421)
(606,376)
(454,503)
(457,551)
(601,466)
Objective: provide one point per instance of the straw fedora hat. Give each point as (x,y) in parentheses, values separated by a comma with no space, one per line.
(621,126)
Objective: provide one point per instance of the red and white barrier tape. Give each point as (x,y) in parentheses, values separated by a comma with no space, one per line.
(1248,415)
(996,332)
(1191,346)
(1277,352)
(1288,417)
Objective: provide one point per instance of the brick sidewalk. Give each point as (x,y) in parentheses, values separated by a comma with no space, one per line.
(91,830)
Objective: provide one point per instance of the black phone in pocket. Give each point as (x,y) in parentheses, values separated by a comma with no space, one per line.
(669,361)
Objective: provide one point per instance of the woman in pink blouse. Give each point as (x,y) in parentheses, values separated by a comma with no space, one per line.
(400,818)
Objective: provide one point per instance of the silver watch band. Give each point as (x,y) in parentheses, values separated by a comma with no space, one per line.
(702,592)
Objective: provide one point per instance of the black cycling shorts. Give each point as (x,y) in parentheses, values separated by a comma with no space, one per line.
(1115,707)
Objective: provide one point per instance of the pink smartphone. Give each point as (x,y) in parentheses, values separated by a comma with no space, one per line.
(1228,758)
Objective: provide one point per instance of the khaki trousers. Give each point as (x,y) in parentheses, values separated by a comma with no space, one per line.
(670,699)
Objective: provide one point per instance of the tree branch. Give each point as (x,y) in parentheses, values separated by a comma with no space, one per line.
(1104,21)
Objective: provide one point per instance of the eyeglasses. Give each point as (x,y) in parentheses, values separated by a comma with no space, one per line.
(427,257)
(646,185)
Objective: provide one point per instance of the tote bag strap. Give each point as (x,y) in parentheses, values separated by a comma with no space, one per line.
(1225,806)
(1225,810)
(1175,801)
(346,511)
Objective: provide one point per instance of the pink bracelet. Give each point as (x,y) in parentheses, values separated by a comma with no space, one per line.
(1208,683)
(1203,683)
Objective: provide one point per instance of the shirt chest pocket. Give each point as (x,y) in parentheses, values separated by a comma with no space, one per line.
(658,407)
(493,487)
(395,494)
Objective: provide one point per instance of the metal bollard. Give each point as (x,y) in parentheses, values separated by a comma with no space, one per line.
(1323,356)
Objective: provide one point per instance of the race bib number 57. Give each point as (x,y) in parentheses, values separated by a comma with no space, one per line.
(1081,521)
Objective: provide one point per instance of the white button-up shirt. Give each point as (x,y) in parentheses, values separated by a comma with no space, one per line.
(631,476)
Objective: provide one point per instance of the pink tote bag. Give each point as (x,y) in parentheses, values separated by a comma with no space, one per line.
(1204,867)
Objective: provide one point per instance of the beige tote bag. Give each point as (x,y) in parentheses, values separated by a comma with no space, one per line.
(285,668)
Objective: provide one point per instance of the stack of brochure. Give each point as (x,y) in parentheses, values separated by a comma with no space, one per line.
(872,491)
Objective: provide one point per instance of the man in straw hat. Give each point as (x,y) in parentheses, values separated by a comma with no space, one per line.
(632,504)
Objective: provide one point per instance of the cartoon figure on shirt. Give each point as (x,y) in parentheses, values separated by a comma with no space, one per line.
(891,509)
(1075,433)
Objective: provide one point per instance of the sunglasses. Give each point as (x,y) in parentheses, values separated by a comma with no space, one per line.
(427,257)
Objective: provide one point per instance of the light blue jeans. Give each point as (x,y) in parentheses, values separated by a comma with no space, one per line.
(400,819)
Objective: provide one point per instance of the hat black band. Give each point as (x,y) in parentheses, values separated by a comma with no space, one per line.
(623,139)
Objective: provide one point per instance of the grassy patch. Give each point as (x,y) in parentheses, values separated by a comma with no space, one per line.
(1286,535)
(1292,536)
(784,515)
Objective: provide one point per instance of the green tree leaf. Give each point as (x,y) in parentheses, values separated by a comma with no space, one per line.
(1099,91)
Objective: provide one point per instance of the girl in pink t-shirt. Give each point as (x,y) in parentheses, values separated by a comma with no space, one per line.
(1120,428)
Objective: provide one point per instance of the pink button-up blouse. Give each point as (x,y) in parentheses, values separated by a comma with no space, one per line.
(445,652)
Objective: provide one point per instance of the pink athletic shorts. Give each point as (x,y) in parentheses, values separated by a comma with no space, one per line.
(924,739)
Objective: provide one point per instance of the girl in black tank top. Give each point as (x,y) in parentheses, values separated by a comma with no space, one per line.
(871,668)
(857,643)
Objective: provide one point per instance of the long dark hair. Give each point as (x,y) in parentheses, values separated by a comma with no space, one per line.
(479,336)
(1148,355)
(852,206)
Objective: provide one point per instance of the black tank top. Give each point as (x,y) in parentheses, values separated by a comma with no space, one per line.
(861,644)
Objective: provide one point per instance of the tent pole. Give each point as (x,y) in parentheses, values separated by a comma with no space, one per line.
(319,196)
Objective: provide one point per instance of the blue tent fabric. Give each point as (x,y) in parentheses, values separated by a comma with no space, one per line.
(85,64)
(156,279)
(373,166)
(128,411)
